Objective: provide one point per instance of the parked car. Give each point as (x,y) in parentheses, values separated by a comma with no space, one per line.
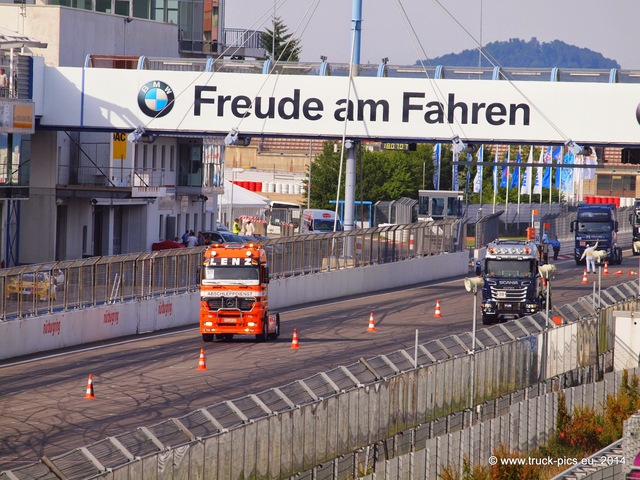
(222,236)
(39,284)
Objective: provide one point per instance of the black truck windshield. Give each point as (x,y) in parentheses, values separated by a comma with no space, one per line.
(219,273)
(509,268)
(594,227)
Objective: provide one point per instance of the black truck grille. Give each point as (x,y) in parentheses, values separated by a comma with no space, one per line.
(244,304)
(508,295)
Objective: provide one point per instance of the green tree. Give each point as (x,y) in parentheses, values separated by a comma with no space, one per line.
(380,175)
(287,48)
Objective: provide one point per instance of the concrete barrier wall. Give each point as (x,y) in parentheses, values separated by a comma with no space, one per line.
(324,286)
(76,327)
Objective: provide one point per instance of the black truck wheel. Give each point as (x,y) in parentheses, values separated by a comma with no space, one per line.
(264,336)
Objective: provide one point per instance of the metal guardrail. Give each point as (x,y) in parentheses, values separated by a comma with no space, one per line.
(76,284)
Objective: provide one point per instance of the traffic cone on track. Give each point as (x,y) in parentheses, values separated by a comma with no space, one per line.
(438,312)
(89,393)
(202,362)
(619,272)
(606,268)
(294,340)
(584,277)
(631,272)
(372,325)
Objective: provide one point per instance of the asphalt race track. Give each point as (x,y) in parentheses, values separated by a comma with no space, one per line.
(143,380)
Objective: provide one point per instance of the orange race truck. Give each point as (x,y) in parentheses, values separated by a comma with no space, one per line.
(234,293)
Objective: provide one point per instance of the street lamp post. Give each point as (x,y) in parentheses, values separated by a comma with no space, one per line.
(547,271)
(472,284)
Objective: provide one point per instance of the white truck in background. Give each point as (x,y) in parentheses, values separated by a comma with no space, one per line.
(314,220)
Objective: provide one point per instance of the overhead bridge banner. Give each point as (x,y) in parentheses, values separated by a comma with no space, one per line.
(397,109)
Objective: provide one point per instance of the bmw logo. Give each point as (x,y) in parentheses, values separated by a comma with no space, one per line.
(156,99)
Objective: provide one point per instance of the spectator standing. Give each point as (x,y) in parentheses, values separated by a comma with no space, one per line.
(588,255)
(555,244)
(249,229)
(192,241)
(4,81)
(185,237)
(236,226)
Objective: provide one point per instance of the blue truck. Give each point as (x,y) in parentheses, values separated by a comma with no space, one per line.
(512,284)
(634,220)
(597,222)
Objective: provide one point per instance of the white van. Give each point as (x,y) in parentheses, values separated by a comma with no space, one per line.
(319,221)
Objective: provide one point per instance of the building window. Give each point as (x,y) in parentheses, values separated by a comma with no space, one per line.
(136,156)
(154,152)
(172,157)
(163,151)
(160,228)
(616,185)
(145,152)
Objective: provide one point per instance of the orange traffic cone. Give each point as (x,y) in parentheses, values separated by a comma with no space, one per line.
(438,312)
(619,272)
(89,393)
(584,277)
(372,325)
(202,363)
(606,268)
(294,340)
(631,272)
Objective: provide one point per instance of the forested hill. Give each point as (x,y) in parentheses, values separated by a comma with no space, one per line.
(516,53)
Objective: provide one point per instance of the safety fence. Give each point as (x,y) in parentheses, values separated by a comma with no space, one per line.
(40,289)
(355,420)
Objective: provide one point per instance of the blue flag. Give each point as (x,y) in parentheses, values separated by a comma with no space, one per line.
(468,179)
(477,181)
(557,156)
(515,176)
(546,178)
(436,167)
(455,184)
(504,180)
(567,176)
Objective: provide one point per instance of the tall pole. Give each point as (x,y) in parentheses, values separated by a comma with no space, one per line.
(309,183)
(350,173)
(473,351)
(356,26)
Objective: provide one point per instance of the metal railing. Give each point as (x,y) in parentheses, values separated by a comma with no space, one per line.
(40,289)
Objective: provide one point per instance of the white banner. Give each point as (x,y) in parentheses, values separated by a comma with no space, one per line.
(378,108)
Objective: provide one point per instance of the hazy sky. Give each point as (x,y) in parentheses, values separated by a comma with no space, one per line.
(445,26)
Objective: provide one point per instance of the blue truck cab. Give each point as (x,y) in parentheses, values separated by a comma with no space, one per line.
(634,220)
(597,222)
(512,283)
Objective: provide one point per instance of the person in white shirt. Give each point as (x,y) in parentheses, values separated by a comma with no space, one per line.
(4,83)
(588,255)
(192,241)
(249,229)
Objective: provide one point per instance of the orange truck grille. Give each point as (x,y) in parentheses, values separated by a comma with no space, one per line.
(244,304)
